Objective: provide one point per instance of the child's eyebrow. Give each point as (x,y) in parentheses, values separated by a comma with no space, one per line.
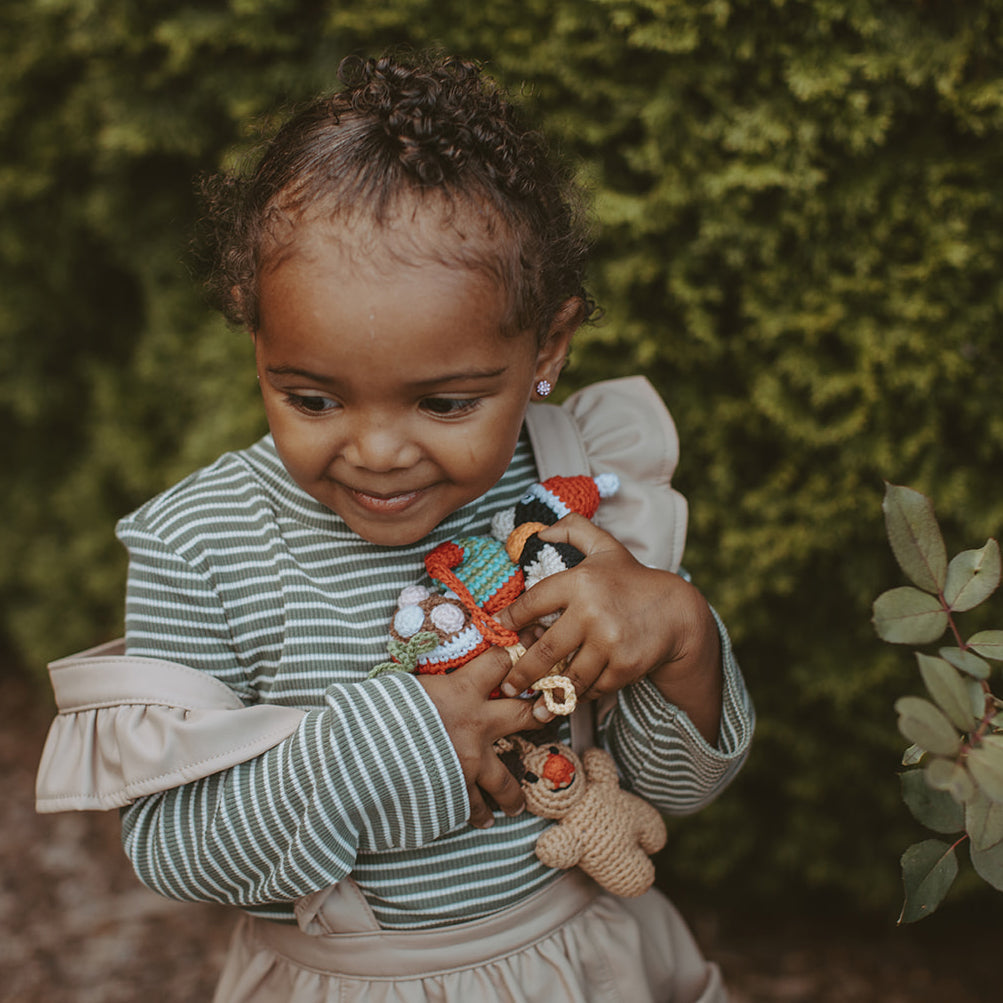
(459,377)
(469,374)
(305,374)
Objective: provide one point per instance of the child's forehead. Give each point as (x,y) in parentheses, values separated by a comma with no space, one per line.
(415,233)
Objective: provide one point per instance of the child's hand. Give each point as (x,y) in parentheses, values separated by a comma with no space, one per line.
(621,621)
(474,723)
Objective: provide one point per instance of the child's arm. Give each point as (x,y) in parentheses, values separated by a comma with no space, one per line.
(373,768)
(374,771)
(623,622)
(649,636)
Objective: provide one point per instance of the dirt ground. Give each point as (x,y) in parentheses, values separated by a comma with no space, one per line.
(77,927)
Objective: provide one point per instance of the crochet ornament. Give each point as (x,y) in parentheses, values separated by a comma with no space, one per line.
(606,831)
(438,630)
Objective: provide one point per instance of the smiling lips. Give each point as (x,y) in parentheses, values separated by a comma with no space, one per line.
(386,503)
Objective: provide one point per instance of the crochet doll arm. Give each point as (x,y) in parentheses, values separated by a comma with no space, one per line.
(371,769)
(559,846)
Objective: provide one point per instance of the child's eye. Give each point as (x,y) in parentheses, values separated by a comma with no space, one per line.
(310,405)
(450,407)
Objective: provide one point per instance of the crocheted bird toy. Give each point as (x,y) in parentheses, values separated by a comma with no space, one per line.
(606,831)
(437,629)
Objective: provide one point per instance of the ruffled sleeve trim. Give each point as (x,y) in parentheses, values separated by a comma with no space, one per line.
(130,726)
(622,427)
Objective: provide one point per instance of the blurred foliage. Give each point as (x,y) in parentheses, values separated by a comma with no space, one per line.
(800,228)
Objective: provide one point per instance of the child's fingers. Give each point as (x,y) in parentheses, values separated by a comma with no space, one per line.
(550,595)
(583,672)
(581,533)
(495,779)
(485,672)
(505,717)
(545,597)
(554,647)
(480,814)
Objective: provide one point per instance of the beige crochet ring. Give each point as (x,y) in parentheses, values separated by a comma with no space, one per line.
(548,685)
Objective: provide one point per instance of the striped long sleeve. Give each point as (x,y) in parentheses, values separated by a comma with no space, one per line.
(372,769)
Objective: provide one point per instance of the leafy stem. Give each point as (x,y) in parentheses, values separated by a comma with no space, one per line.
(956,734)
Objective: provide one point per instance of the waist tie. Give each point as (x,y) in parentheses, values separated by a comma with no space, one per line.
(400,954)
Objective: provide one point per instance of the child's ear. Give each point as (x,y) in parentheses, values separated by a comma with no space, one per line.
(554,350)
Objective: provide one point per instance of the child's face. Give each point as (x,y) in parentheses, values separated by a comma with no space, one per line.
(391,392)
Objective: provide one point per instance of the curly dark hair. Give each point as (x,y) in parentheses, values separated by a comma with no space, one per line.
(404,128)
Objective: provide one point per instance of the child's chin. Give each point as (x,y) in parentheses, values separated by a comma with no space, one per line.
(402,534)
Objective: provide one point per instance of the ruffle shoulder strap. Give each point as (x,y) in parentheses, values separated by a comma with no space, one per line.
(622,427)
(130,726)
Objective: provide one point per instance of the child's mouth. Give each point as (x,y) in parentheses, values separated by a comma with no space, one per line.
(386,503)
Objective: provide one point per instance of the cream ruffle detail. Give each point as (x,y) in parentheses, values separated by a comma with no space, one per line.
(178,725)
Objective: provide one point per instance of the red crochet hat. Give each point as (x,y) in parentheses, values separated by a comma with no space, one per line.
(579,494)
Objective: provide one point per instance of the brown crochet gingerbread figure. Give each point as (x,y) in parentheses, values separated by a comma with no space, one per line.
(605,830)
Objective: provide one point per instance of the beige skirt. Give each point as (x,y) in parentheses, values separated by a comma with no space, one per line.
(569,943)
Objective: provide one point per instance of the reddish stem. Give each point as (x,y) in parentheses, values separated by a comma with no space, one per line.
(950,620)
(990,712)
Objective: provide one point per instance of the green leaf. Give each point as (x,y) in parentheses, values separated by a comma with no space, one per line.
(988,864)
(908,616)
(966,661)
(924,724)
(950,776)
(936,809)
(915,537)
(928,870)
(984,821)
(977,695)
(948,690)
(972,576)
(985,763)
(988,643)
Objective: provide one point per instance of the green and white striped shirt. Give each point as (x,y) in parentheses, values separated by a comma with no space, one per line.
(238,572)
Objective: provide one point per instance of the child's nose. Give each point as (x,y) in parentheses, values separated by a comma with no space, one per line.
(379,445)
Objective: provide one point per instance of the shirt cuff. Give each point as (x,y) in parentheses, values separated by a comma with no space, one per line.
(660,749)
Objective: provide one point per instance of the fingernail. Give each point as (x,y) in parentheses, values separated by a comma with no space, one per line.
(509,690)
(485,823)
(541,713)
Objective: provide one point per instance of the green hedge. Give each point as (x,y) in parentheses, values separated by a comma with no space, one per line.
(800,242)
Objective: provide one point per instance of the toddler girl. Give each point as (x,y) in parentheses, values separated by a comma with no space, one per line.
(409,264)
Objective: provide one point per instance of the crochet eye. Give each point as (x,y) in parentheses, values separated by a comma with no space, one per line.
(530,777)
(554,750)
(448,618)
(408,620)
(411,595)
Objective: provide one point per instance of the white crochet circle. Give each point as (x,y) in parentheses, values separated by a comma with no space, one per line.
(408,620)
(448,617)
(412,595)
